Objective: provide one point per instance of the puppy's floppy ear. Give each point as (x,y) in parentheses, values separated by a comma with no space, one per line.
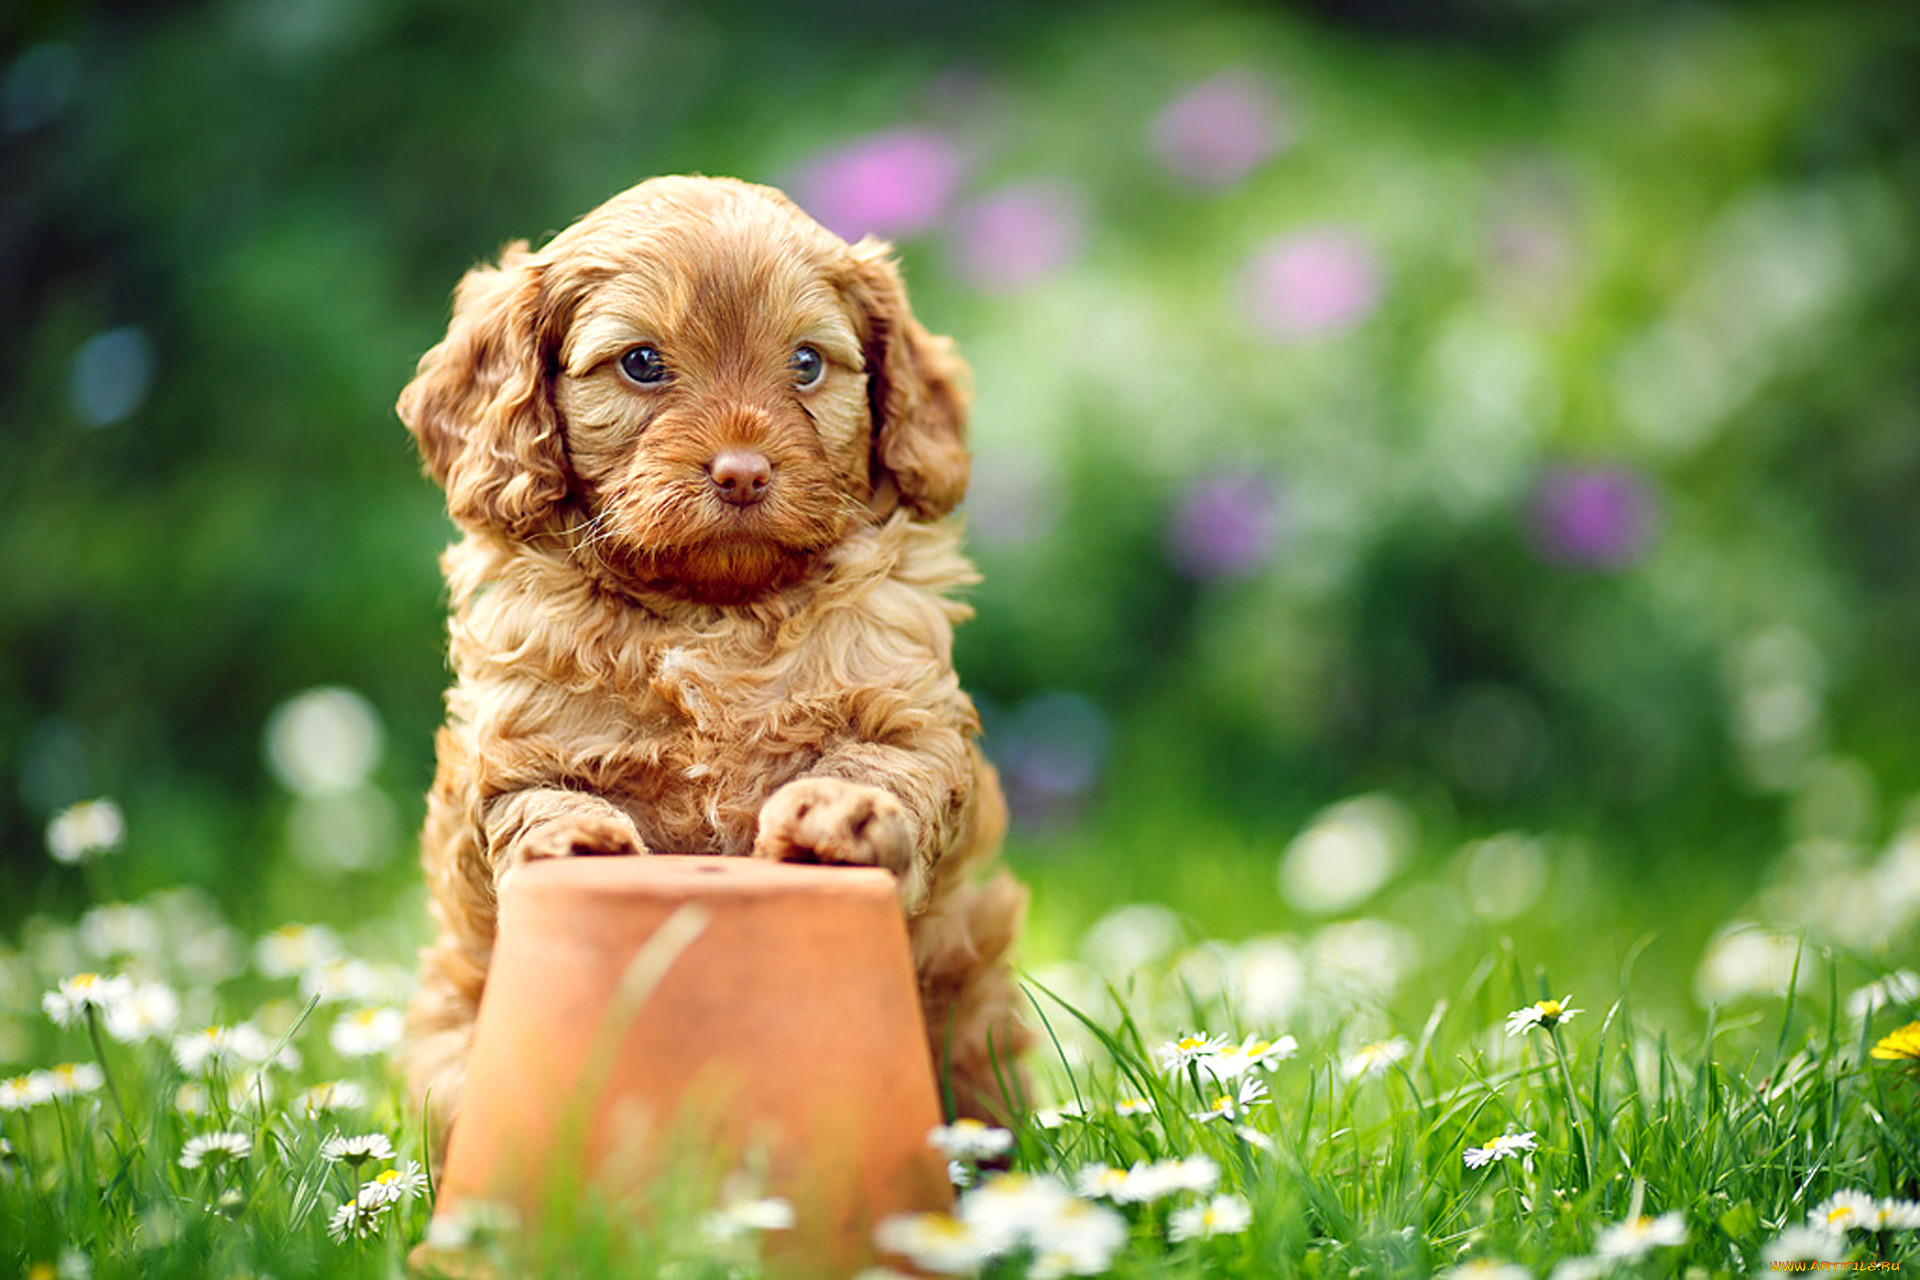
(918,390)
(480,407)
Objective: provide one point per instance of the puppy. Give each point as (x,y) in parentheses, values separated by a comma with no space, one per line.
(702,457)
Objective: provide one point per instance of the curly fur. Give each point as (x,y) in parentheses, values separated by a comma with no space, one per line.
(643,665)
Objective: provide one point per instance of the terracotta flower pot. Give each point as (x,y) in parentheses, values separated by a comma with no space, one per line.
(763,1007)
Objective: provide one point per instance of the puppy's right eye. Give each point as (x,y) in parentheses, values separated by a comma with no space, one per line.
(644,365)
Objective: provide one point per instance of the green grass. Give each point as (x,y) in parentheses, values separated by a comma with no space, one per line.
(1741,1128)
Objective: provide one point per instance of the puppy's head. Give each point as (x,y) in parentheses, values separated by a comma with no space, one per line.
(696,387)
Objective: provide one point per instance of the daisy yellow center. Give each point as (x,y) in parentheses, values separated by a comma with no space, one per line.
(1258,1047)
(941,1224)
(967,1125)
(391,1175)
(85,981)
(1190,1042)
(66,1071)
(1223,1103)
(1549,1008)
(1839,1213)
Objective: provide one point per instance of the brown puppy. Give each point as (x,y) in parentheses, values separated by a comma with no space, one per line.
(702,455)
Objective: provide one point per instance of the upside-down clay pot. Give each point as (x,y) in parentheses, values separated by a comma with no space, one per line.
(768,1011)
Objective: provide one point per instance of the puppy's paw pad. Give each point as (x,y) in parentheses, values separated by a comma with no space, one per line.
(585,836)
(829,820)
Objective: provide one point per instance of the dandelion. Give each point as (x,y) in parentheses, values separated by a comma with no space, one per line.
(1901,1046)
(970,1140)
(71,1001)
(936,1242)
(358,1150)
(150,1010)
(1235,1061)
(70,1080)
(367,1033)
(85,831)
(1541,1013)
(1637,1237)
(392,1186)
(356,1221)
(1371,1059)
(1507,1146)
(1249,1092)
(215,1150)
(1175,1055)
(330,1097)
(1224,1215)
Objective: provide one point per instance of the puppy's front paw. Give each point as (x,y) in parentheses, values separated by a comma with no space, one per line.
(582,835)
(831,820)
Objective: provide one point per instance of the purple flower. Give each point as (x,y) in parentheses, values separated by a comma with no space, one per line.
(1596,517)
(1311,284)
(896,183)
(1220,130)
(1225,525)
(1018,235)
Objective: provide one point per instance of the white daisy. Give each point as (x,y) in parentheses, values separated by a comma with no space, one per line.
(1133,1107)
(70,1001)
(1236,1060)
(1374,1058)
(739,1219)
(215,1150)
(1805,1244)
(1224,1215)
(294,949)
(1637,1237)
(357,1150)
(85,831)
(1487,1269)
(1079,1240)
(1845,1210)
(392,1186)
(1054,1117)
(23,1093)
(1505,1147)
(70,1080)
(1897,1215)
(367,1033)
(221,1048)
(1233,1103)
(357,1221)
(1175,1055)
(330,1097)
(150,1010)
(970,1140)
(936,1242)
(1541,1013)
(343,980)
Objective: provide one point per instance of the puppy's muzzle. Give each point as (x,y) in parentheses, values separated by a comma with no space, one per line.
(740,476)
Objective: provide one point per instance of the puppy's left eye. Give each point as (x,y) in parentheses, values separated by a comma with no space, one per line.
(808,366)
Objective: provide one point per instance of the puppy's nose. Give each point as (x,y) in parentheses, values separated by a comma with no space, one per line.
(741,476)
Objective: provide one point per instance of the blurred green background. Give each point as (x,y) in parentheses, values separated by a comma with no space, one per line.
(1444,471)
